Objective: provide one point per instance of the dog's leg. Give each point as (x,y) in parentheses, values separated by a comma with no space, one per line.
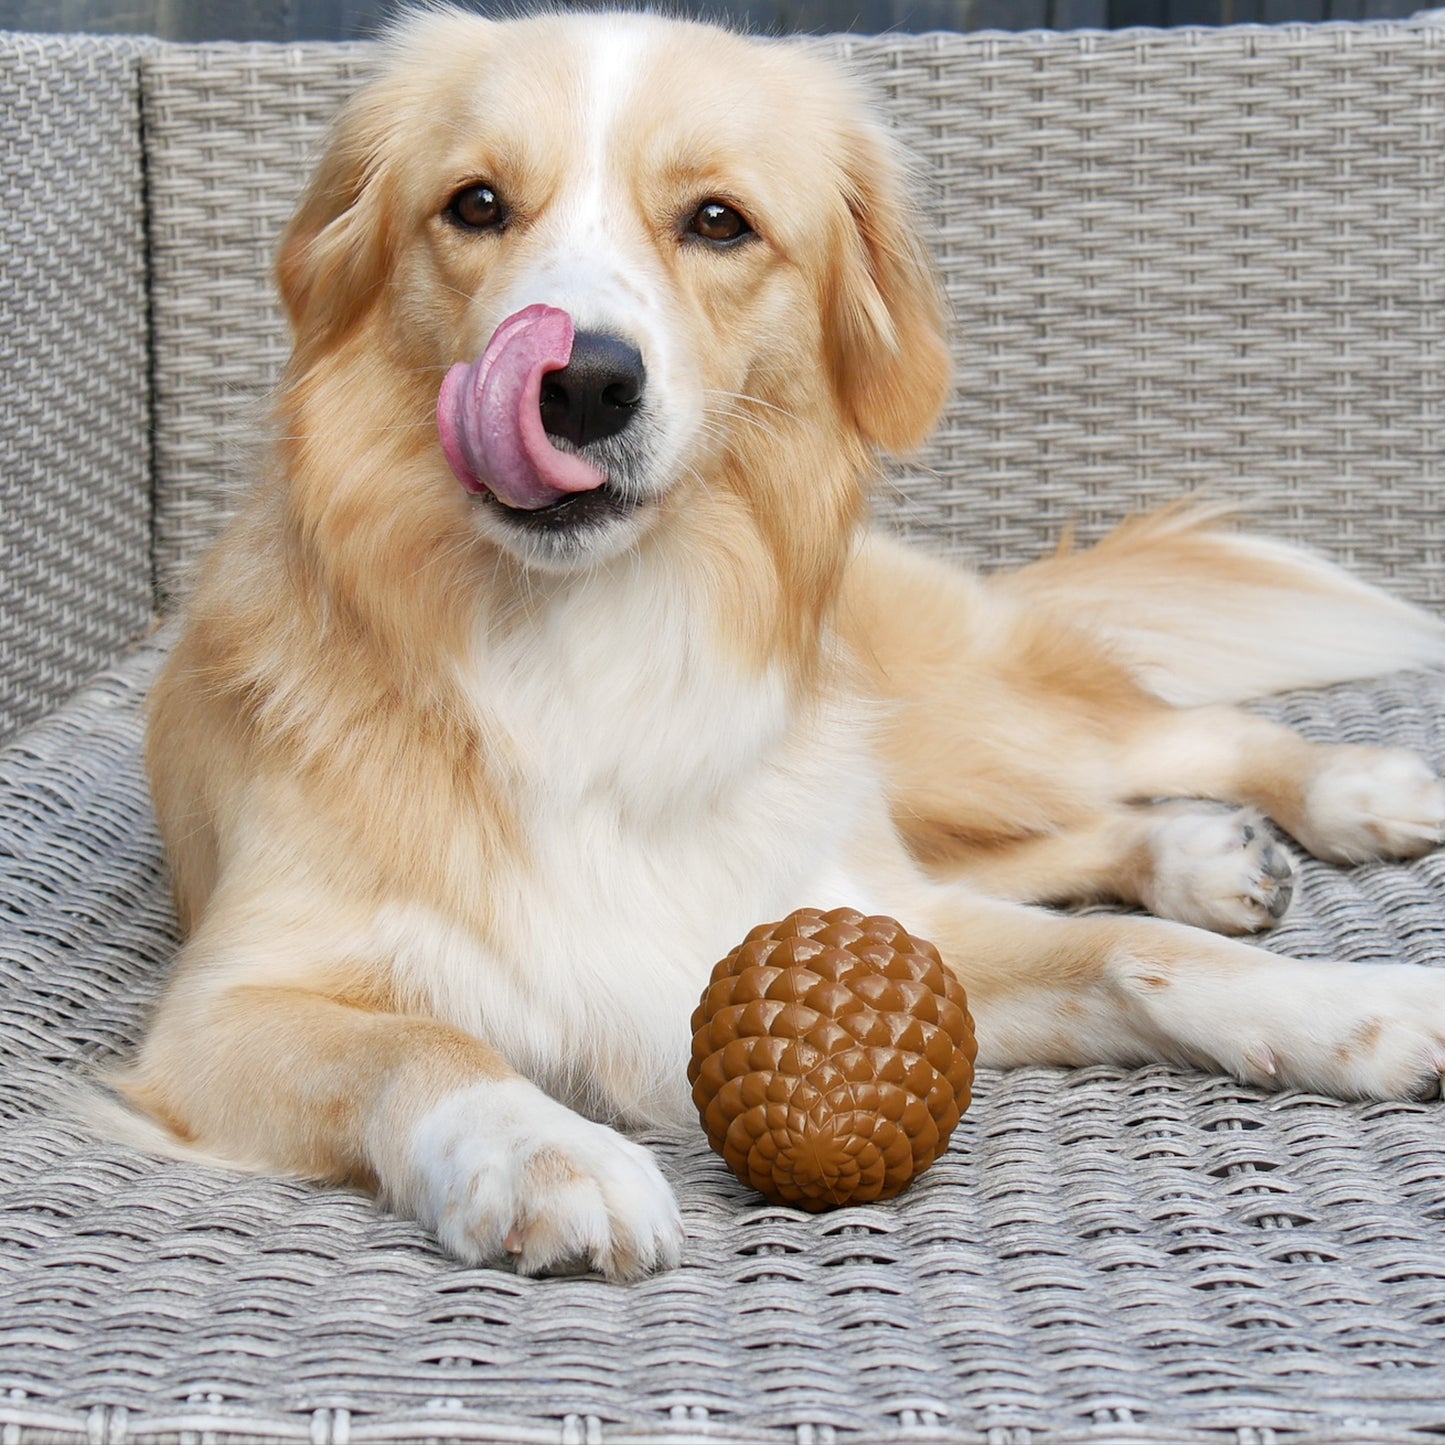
(1050,989)
(288,1078)
(1346,804)
(1208,864)
(1204,863)
(1031,703)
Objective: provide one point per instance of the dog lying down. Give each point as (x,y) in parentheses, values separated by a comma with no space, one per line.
(553,655)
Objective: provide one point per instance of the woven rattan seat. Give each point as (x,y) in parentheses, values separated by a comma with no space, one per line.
(1178,261)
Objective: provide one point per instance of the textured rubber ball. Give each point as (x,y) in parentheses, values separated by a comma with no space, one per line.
(832,1057)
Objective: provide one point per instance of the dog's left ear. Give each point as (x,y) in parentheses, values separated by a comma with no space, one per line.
(889,353)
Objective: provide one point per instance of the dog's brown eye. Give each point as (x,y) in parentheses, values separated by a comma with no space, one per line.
(478,208)
(720,223)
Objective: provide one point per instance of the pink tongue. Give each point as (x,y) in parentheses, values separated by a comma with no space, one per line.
(490,417)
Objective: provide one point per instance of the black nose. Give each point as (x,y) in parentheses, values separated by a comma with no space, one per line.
(597,393)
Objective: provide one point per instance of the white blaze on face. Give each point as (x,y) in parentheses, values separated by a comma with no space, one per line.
(596,257)
(592,260)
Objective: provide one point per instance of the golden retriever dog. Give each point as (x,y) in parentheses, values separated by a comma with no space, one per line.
(553,653)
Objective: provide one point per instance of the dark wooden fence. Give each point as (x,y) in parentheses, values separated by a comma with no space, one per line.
(347,19)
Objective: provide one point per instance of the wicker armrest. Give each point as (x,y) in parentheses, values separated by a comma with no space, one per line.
(75,566)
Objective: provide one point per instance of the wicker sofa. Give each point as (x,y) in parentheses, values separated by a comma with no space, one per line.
(1194,260)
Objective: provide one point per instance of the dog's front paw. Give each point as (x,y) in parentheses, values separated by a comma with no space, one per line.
(1217,868)
(501,1170)
(1373,803)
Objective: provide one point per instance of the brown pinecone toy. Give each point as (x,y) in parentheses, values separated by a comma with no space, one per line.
(832,1056)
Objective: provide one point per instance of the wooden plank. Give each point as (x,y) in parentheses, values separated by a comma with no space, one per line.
(170,19)
(1078,14)
(364,19)
(1240,12)
(190,20)
(1124,14)
(1193,12)
(223,20)
(1282,12)
(317,19)
(1393,9)
(98,17)
(874,17)
(1008,15)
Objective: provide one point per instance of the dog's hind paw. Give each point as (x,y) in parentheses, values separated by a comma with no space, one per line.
(1373,803)
(1218,868)
(502,1171)
(1353,1030)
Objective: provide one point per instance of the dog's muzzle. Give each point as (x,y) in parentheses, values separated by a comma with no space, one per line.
(537,384)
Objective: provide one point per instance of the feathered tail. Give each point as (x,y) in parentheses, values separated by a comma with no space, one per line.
(1202,614)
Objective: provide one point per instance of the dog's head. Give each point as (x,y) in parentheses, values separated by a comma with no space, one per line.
(646,264)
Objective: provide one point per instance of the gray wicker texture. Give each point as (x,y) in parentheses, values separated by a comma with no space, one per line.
(1204,259)
(1208,260)
(1177,260)
(232,132)
(75,579)
(1151,1256)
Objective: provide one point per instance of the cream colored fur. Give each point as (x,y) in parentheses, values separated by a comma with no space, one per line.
(459,812)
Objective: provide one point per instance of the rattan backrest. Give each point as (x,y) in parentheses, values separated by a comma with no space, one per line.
(1177,261)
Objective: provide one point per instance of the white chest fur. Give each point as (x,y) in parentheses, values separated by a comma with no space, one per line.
(669,800)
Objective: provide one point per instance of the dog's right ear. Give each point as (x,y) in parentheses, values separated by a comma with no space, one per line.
(336,251)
